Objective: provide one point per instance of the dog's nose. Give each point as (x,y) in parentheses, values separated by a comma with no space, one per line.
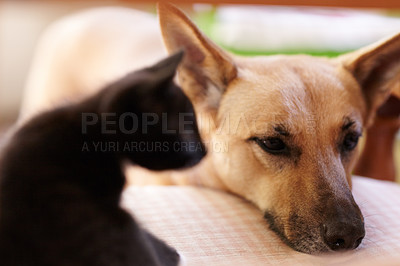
(341,235)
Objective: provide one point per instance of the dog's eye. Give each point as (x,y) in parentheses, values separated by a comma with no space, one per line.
(350,141)
(272,145)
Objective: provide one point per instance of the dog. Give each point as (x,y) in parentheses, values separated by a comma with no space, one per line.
(288,125)
(59,196)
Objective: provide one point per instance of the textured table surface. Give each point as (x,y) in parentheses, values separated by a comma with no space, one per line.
(210,227)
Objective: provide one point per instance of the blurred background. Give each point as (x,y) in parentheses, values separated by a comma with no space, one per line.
(21,23)
(243,29)
(246,29)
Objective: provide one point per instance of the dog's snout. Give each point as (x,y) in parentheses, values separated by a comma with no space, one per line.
(344,235)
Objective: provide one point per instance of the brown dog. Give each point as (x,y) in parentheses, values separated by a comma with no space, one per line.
(281,131)
(290,124)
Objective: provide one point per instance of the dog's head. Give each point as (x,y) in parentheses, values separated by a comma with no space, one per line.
(289,127)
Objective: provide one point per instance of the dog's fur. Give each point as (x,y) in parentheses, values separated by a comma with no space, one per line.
(290,125)
(59,197)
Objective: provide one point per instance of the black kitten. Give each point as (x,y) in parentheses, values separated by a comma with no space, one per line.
(61,176)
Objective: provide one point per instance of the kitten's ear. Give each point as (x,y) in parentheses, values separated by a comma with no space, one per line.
(165,70)
(140,86)
(377,70)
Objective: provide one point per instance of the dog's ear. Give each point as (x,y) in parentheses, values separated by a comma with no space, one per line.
(377,70)
(206,70)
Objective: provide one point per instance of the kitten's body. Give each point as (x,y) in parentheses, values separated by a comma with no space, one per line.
(59,201)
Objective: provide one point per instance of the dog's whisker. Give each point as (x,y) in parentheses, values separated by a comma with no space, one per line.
(367,242)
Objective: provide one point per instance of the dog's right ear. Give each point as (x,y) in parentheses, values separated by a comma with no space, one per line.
(377,70)
(206,70)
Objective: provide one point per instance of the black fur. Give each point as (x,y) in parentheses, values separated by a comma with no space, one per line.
(59,196)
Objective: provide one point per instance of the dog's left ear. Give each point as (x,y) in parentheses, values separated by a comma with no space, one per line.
(206,70)
(377,69)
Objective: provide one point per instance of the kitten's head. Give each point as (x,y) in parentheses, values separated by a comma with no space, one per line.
(152,118)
